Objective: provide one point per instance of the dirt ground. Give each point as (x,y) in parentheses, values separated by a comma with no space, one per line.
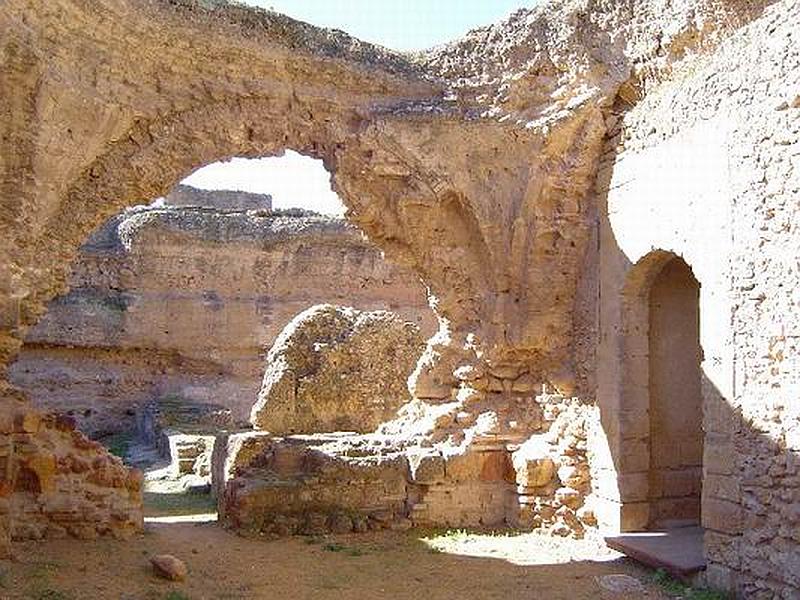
(391,565)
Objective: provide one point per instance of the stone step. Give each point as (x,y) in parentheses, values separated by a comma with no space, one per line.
(678,551)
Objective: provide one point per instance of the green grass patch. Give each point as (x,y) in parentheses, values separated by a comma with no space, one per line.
(171,505)
(176,595)
(461,535)
(677,588)
(118,443)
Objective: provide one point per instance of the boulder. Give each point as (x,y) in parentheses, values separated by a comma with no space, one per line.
(335,368)
(169,567)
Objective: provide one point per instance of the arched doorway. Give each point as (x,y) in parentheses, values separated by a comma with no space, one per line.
(661,411)
(660,459)
(675,407)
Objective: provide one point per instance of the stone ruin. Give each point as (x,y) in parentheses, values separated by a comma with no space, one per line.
(159,342)
(335,368)
(600,197)
(179,300)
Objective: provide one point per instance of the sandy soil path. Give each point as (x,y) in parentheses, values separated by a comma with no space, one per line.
(374,566)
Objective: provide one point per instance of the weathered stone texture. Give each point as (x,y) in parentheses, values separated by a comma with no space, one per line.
(310,485)
(335,368)
(185,195)
(484,460)
(56,482)
(705,167)
(183,302)
(536,174)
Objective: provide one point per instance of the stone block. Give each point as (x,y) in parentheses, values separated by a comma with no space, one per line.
(535,472)
(634,424)
(722,516)
(428,469)
(634,456)
(719,455)
(676,483)
(634,487)
(569,497)
(722,487)
(634,516)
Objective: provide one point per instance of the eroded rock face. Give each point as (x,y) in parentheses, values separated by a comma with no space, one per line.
(186,195)
(335,368)
(179,303)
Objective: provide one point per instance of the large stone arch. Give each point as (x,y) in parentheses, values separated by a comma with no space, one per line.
(479,208)
(473,163)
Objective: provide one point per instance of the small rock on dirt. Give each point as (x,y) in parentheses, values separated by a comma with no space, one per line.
(169,567)
(621,584)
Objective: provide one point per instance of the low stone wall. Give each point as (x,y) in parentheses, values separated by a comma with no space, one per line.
(469,463)
(310,485)
(63,483)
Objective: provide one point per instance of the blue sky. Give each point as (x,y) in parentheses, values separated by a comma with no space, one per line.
(398,24)
(295,180)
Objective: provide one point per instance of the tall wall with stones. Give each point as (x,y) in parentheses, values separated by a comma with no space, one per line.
(706,166)
(184,302)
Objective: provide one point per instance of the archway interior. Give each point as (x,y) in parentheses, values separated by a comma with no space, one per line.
(161,341)
(676,415)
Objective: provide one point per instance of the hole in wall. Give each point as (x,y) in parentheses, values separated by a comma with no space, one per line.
(292,181)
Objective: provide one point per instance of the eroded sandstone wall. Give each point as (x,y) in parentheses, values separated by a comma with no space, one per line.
(336,368)
(56,482)
(184,302)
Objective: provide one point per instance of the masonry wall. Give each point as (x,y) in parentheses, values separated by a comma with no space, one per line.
(676,407)
(707,167)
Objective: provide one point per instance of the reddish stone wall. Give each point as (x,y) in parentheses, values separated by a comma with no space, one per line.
(56,482)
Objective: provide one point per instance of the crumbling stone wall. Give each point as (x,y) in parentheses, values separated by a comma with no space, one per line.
(56,482)
(704,167)
(459,465)
(486,166)
(183,302)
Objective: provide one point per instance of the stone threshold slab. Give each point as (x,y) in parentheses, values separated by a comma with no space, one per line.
(677,551)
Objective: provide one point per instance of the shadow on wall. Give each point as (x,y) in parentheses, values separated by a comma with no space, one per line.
(749,503)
